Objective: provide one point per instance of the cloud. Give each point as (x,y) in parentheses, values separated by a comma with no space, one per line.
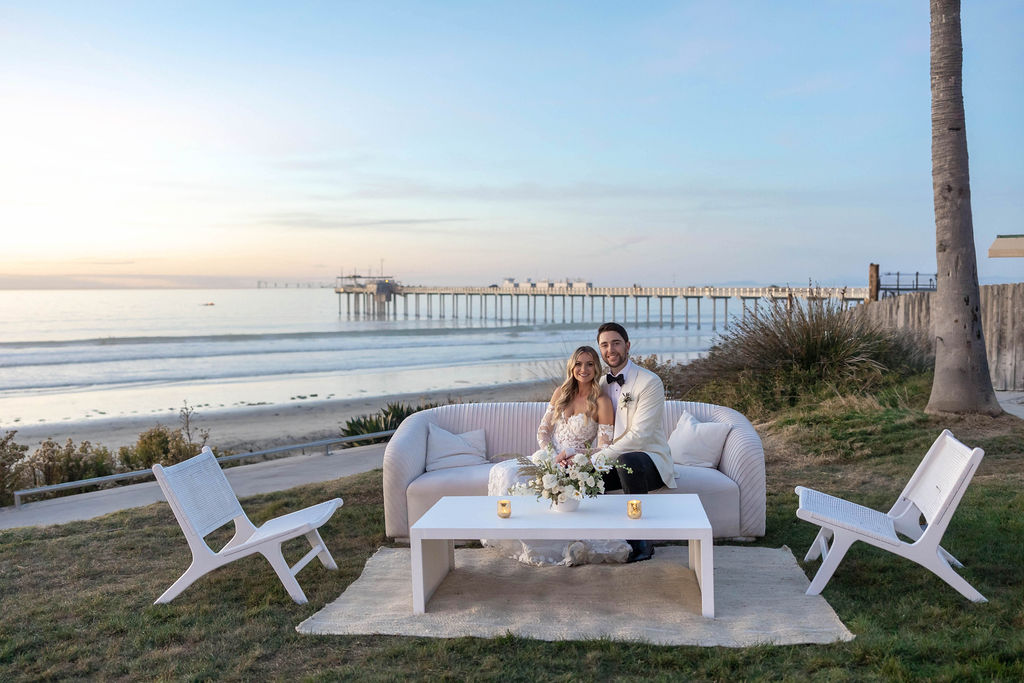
(700,197)
(631,243)
(97,262)
(519,192)
(316,221)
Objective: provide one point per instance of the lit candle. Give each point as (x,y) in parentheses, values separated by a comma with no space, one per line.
(504,509)
(633,509)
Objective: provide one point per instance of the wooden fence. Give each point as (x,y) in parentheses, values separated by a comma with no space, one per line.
(1002,320)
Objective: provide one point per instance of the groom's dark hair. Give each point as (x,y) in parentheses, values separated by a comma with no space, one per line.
(614,327)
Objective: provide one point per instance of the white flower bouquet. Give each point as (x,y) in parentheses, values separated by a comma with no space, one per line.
(578,478)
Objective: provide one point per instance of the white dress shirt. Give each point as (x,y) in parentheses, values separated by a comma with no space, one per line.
(613,389)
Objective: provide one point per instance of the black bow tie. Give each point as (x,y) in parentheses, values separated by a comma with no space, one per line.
(618,379)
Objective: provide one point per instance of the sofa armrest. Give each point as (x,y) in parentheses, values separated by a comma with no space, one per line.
(743,462)
(405,458)
(742,458)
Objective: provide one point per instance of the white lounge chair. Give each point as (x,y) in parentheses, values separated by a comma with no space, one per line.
(203,501)
(932,493)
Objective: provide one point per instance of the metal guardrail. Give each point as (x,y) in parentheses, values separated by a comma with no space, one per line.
(894,286)
(82,483)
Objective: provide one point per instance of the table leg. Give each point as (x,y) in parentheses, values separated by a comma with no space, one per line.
(703,565)
(432,559)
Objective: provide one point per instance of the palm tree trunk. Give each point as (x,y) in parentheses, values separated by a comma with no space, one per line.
(962,383)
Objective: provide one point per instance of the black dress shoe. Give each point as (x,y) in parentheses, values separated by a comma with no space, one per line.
(641,550)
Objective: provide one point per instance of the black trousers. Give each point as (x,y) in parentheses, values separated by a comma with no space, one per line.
(645,476)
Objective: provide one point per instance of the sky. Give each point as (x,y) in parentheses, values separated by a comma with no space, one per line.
(215,144)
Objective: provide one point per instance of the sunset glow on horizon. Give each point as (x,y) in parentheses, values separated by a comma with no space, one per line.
(694,142)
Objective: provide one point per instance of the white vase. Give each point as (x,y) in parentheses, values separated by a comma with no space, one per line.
(570,505)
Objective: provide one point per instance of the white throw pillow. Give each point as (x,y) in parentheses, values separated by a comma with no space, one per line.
(445,449)
(697,443)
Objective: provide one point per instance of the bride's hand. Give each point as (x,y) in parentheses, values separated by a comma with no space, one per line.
(564,458)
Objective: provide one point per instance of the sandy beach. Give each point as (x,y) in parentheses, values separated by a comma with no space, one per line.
(257,427)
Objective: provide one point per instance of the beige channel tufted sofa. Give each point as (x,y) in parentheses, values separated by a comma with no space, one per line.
(733,495)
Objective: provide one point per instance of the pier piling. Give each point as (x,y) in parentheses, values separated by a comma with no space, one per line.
(378,299)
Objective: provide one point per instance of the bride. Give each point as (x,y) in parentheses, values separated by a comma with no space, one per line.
(579,419)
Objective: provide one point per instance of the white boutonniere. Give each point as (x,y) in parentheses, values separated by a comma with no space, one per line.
(627,398)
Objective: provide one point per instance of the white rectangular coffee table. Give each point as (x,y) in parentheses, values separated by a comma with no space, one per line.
(667,517)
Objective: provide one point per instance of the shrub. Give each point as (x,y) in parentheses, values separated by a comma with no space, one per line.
(11,467)
(164,445)
(160,444)
(792,351)
(53,463)
(389,417)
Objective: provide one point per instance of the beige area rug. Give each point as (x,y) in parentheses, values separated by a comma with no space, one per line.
(759,598)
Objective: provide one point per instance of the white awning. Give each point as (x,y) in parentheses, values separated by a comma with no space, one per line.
(1007,245)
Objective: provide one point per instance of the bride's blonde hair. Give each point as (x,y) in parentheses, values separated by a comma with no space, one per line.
(567,392)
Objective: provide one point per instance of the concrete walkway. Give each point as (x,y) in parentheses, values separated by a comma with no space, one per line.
(1012,402)
(246,480)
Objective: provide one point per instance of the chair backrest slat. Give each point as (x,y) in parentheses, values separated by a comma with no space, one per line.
(940,476)
(202,492)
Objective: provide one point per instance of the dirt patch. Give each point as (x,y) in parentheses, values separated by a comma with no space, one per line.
(795,454)
(983,426)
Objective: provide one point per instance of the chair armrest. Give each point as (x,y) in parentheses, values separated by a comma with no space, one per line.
(743,462)
(405,459)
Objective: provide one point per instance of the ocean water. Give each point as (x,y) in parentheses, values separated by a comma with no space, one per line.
(74,355)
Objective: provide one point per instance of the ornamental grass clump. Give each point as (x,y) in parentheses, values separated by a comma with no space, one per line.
(791,350)
(817,340)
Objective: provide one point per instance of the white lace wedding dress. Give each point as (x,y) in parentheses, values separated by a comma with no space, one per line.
(577,433)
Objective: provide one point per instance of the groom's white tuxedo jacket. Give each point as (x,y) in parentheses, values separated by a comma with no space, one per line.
(640,419)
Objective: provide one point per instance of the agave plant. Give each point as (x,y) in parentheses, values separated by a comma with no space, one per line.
(388,418)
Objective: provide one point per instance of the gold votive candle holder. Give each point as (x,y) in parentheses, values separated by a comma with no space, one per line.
(633,509)
(504,509)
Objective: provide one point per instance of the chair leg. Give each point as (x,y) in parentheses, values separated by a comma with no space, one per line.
(914,530)
(949,558)
(940,567)
(184,581)
(840,544)
(325,555)
(814,552)
(284,572)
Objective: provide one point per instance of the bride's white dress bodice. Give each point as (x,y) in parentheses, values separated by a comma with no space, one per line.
(577,432)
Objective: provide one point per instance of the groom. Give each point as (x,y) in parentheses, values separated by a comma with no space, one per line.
(639,443)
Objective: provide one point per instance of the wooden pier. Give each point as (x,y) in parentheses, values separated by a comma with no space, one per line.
(534,302)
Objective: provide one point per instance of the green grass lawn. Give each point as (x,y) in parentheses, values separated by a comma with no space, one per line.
(77,598)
